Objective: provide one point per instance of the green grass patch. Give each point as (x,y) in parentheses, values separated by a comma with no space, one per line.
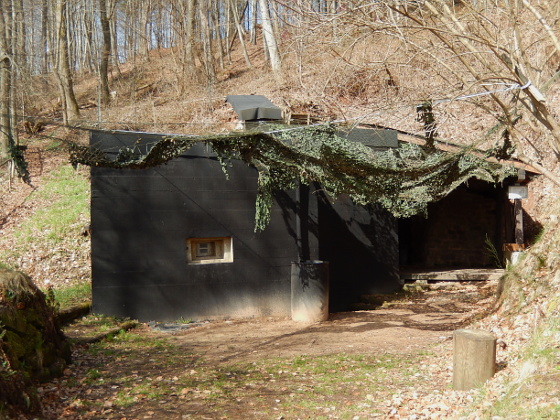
(124,399)
(183,320)
(56,227)
(68,193)
(93,375)
(332,385)
(100,322)
(54,145)
(74,294)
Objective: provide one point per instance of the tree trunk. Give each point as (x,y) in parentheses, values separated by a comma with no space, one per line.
(87,39)
(254,22)
(70,108)
(217,36)
(189,46)
(240,32)
(143,40)
(20,63)
(113,33)
(207,45)
(228,30)
(5,83)
(270,39)
(104,16)
(18,36)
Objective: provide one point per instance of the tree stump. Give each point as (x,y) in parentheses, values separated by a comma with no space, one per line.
(474,358)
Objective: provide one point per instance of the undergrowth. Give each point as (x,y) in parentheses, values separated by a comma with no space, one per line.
(49,242)
(73,294)
(529,307)
(67,193)
(532,392)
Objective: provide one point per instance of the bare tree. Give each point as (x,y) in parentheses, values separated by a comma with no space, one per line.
(502,42)
(190,36)
(270,38)
(239,30)
(217,25)
(18,34)
(105,17)
(70,110)
(44,36)
(253,32)
(207,46)
(5,82)
(502,56)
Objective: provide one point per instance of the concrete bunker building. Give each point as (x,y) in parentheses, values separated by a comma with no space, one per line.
(178,241)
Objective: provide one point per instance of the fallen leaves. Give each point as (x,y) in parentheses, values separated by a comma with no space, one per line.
(153,376)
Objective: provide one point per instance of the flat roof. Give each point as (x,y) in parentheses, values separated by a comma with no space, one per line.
(373,137)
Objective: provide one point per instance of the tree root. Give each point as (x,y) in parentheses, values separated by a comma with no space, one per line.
(125,326)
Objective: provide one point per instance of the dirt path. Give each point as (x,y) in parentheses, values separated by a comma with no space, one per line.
(383,330)
(401,326)
(363,364)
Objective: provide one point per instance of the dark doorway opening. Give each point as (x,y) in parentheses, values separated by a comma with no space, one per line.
(458,230)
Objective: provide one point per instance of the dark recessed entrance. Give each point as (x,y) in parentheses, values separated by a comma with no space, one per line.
(456,232)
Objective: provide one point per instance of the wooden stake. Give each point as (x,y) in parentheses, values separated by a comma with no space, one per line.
(474,358)
(518,211)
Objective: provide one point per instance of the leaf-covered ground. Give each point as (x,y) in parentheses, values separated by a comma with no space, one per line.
(389,361)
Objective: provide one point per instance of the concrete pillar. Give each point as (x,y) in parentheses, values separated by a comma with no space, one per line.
(310,291)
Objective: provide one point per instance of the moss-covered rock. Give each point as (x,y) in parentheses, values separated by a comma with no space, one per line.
(32,346)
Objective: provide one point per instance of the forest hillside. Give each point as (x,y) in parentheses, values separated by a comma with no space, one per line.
(478,73)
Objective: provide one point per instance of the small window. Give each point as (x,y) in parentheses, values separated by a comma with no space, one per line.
(209,250)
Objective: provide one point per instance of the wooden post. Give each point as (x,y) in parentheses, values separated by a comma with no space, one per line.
(518,211)
(474,358)
(302,221)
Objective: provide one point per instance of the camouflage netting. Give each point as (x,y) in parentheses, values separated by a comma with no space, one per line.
(32,347)
(403,180)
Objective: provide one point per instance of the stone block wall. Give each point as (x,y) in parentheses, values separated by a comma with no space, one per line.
(454,234)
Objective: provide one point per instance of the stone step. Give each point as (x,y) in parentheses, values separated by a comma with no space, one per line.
(471,274)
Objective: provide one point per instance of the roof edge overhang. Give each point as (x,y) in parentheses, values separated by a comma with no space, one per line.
(452,147)
(447,146)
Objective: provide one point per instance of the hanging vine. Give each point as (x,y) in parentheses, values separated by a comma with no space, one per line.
(403,180)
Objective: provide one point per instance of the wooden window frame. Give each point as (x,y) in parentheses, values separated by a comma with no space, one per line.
(222,250)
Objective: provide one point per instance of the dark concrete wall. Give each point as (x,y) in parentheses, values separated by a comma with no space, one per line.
(141,220)
(361,244)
